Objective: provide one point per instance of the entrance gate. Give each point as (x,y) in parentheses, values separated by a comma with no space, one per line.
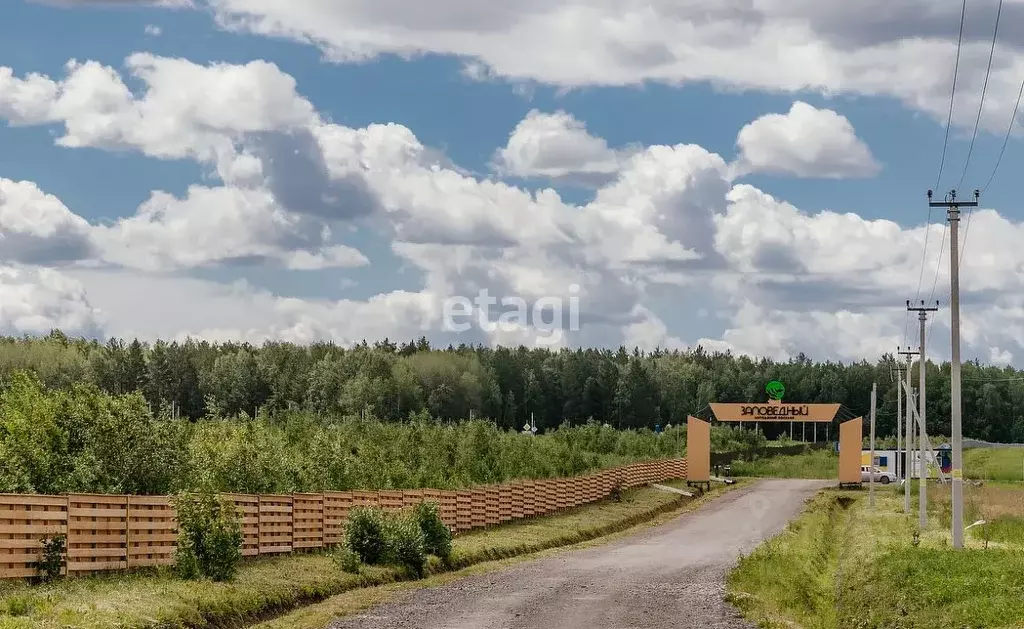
(698,431)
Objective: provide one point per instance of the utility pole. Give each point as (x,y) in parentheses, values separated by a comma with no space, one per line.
(901,467)
(908,464)
(953,216)
(922,508)
(871,463)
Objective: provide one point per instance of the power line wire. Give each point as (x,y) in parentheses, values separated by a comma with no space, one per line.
(952,92)
(967,230)
(942,158)
(984,89)
(1006,138)
(938,265)
(924,254)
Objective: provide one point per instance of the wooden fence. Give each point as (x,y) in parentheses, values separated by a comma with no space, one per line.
(115,532)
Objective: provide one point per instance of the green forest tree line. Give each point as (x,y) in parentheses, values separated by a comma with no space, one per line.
(391,381)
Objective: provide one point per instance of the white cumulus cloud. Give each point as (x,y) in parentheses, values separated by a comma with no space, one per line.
(805,142)
(555,145)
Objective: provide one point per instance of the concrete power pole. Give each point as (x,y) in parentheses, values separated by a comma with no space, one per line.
(922,509)
(901,467)
(908,463)
(953,215)
(871,462)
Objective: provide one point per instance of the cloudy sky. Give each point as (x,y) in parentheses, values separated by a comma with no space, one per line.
(744,174)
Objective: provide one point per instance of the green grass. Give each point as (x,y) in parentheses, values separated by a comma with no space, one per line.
(1006,529)
(267,587)
(814,464)
(843,564)
(1004,464)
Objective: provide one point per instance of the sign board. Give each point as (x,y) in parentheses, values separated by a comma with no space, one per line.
(774,411)
(851,436)
(698,450)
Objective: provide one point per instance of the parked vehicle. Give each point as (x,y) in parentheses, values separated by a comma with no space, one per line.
(880,476)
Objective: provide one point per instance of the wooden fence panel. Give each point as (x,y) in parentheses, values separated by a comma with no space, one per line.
(530,498)
(391,499)
(504,503)
(308,521)
(110,532)
(492,506)
(336,507)
(448,502)
(97,533)
(276,532)
(25,520)
(550,496)
(248,508)
(411,497)
(561,493)
(517,500)
(479,507)
(152,531)
(464,514)
(365,499)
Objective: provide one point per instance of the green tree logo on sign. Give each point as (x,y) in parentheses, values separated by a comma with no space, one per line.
(775,390)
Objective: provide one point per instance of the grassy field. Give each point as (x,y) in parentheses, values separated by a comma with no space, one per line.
(1006,464)
(815,464)
(843,564)
(268,587)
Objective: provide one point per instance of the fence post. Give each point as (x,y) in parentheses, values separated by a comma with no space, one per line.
(259,524)
(128,532)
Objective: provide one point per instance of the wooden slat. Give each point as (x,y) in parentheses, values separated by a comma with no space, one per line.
(17,572)
(31,529)
(95,566)
(96,552)
(33,499)
(35,514)
(162,501)
(78,512)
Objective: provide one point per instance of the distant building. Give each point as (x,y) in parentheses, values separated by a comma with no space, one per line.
(885,460)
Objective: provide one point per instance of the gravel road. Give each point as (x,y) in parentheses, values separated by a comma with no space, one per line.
(667,576)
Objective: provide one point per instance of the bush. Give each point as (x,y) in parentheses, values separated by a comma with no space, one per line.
(365,534)
(186,563)
(348,560)
(209,537)
(406,545)
(52,561)
(437,536)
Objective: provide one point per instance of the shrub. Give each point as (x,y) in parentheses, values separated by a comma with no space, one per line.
(405,543)
(18,606)
(365,534)
(616,492)
(209,536)
(437,536)
(52,561)
(186,563)
(348,560)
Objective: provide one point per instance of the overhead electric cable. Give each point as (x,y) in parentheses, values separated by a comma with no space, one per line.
(984,89)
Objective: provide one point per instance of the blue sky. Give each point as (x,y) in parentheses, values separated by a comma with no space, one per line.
(466,119)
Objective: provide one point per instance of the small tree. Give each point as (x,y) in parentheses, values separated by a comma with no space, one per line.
(436,534)
(405,545)
(365,534)
(52,561)
(209,536)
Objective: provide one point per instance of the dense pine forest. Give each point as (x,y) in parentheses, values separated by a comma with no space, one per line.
(76,414)
(389,381)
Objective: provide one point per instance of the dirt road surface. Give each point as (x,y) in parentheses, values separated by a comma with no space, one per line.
(667,576)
